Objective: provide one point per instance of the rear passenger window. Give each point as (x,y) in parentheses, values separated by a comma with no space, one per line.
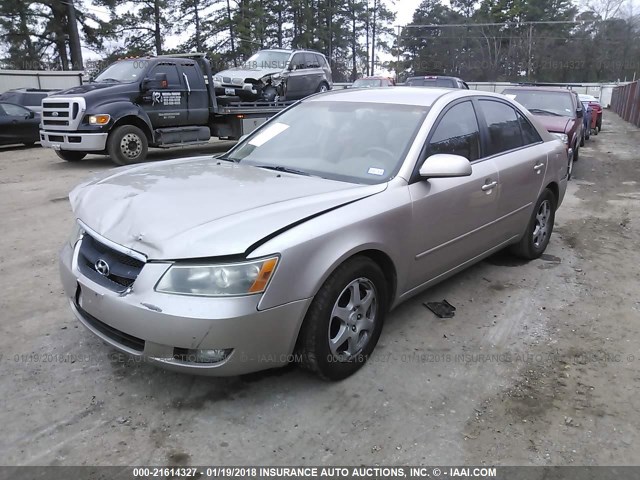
(457,133)
(311,60)
(529,133)
(503,125)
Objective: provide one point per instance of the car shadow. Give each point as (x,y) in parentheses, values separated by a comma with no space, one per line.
(17,147)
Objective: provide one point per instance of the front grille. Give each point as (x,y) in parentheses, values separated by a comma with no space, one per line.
(55,105)
(51,114)
(116,335)
(122,270)
(62,114)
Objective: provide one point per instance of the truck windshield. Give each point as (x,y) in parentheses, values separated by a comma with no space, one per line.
(268,59)
(357,142)
(124,71)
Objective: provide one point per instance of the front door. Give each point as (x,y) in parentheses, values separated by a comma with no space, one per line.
(452,216)
(167,106)
(297,78)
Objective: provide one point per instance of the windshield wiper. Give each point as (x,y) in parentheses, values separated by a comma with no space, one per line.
(544,112)
(110,80)
(280,168)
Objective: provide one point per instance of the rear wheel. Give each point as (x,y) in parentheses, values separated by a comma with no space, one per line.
(71,155)
(582,138)
(127,144)
(536,237)
(344,321)
(323,87)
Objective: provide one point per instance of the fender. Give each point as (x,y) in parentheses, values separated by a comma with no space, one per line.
(119,110)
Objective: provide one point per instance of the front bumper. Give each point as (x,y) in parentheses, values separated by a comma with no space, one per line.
(88,142)
(154,326)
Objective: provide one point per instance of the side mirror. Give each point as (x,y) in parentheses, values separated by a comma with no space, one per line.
(580,113)
(31,114)
(444,165)
(157,82)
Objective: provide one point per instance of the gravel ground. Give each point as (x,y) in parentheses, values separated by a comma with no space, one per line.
(539,366)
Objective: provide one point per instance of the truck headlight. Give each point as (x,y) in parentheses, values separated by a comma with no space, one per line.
(76,234)
(244,278)
(99,119)
(562,136)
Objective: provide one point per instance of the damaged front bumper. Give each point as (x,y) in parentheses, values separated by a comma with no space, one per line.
(200,335)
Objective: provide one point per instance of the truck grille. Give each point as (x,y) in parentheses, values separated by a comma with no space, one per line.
(120,271)
(62,113)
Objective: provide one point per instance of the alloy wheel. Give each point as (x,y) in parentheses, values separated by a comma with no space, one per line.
(131,145)
(541,229)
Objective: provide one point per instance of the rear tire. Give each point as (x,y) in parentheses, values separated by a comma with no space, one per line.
(344,322)
(582,139)
(323,87)
(127,144)
(536,237)
(71,155)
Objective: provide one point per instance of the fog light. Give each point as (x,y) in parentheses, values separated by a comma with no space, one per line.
(216,355)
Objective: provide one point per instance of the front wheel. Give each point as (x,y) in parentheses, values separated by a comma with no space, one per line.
(323,87)
(536,236)
(344,321)
(71,155)
(127,144)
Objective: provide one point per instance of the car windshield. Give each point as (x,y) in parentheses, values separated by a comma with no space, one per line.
(354,142)
(124,71)
(540,102)
(267,59)
(367,82)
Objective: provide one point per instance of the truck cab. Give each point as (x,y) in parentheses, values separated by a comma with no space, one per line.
(133,104)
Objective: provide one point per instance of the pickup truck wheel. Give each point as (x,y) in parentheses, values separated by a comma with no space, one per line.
(536,237)
(71,155)
(344,321)
(127,144)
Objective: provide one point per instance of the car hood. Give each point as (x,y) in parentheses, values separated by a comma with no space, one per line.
(555,124)
(203,207)
(255,73)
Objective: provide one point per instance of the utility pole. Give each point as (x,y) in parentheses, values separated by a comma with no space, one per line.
(529,62)
(398,53)
(74,38)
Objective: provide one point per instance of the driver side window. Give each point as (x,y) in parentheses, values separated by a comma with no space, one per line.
(457,133)
(171,71)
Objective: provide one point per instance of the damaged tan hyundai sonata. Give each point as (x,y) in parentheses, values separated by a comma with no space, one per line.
(303,236)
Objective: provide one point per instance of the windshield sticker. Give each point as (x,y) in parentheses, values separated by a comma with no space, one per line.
(268,133)
(375,171)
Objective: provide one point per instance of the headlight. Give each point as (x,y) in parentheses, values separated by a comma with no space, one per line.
(217,78)
(76,234)
(275,76)
(99,119)
(562,136)
(218,280)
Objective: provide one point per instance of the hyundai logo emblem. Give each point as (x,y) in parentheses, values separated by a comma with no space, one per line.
(102,267)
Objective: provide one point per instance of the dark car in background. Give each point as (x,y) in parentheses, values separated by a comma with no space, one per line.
(436,81)
(596,109)
(27,97)
(559,110)
(276,74)
(373,81)
(18,125)
(587,120)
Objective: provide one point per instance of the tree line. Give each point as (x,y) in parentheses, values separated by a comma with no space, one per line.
(477,40)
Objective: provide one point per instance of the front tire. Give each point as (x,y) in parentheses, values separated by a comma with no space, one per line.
(536,237)
(127,144)
(71,155)
(323,87)
(344,322)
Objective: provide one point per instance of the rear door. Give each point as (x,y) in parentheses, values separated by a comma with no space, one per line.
(452,217)
(167,107)
(197,95)
(520,155)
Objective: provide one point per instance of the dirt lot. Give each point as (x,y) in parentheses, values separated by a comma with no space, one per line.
(539,365)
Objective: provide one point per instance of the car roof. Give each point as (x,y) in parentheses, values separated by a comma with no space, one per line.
(429,77)
(399,95)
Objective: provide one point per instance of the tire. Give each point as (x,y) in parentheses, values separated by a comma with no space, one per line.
(576,154)
(595,131)
(582,139)
(570,169)
(323,87)
(270,94)
(71,155)
(539,229)
(332,360)
(127,144)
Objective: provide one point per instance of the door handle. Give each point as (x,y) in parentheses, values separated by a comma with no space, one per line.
(538,167)
(489,186)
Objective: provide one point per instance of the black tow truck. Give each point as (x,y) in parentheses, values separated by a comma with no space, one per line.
(137,103)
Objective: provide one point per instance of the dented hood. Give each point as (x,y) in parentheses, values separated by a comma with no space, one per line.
(203,207)
(244,73)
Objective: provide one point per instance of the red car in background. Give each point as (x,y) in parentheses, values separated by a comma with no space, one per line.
(596,110)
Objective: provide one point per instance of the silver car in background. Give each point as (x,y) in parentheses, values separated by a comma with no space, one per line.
(298,241)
